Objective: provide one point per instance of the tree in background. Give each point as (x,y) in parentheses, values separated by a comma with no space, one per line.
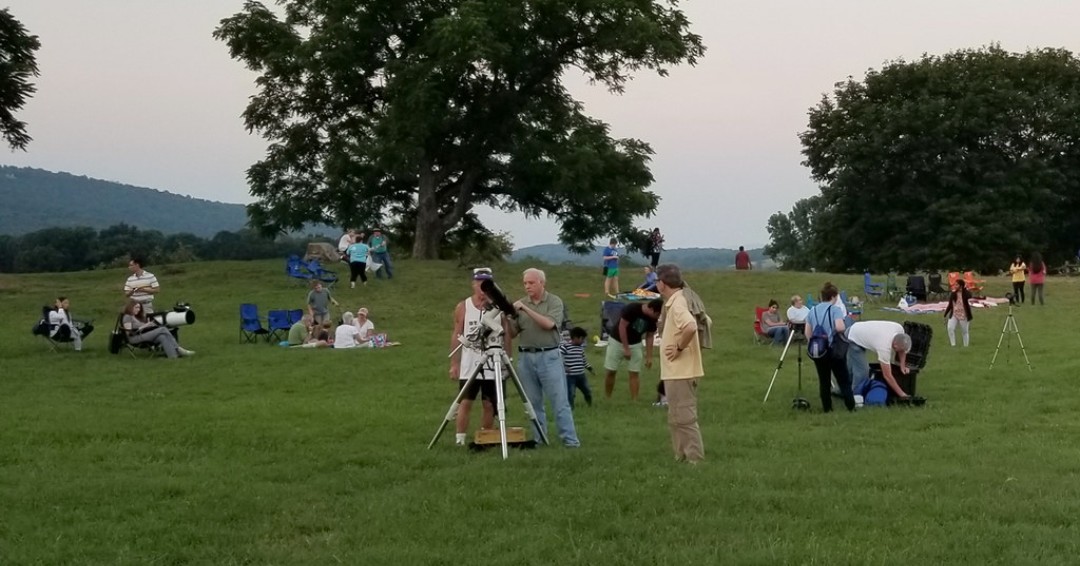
(17,67)
(432,107)
(961,160)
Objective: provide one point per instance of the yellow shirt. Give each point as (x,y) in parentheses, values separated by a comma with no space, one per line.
(687,363)
(1017,270)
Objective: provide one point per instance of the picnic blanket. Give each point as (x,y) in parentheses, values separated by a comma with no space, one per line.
(928,308)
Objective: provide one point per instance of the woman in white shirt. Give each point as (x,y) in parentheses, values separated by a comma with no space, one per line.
(364,325)
(346,335)
(60,317)
(797,312)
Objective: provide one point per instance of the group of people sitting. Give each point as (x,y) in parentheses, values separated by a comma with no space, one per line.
(354,331)
(774,327)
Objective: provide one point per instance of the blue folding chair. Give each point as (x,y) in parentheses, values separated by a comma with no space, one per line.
(870,289)
(277,325)
(320,273)
(295,315)
(297,271)
(810,302)
(250,324)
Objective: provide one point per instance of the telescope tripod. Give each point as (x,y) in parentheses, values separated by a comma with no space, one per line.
(494,357)
(799,402)
(1011,328)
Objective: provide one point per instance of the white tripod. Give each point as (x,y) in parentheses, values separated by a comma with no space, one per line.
(494,356)
(1011,328)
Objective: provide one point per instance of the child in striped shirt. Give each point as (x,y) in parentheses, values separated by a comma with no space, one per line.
(573,354)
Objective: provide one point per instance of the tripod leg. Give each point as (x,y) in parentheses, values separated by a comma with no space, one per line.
(1020,339)
(1000,338)
(451,415)
(778,366)
(525,398)
(500,400)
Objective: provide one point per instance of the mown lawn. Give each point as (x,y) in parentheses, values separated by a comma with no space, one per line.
(254,454)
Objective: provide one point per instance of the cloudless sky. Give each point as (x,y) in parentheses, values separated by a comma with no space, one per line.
(138,92)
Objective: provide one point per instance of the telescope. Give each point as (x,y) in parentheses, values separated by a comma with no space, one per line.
(180,315)
(497,298)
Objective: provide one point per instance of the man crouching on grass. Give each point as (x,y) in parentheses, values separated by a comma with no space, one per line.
(680,366)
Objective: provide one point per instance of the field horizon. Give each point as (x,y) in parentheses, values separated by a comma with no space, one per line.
(256,454)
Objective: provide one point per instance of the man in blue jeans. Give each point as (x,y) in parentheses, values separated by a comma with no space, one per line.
(540,364)
(379,254)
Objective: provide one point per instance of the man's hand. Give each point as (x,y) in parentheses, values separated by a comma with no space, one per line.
(904,369)
(648,362)
(519,304)
(626,353)
(670,352)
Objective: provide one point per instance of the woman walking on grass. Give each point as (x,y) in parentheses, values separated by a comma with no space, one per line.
(959,312)
(1038,276)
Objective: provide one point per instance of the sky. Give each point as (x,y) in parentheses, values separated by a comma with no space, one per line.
(139,92)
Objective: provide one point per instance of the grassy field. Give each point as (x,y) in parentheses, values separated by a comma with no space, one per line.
(254,454)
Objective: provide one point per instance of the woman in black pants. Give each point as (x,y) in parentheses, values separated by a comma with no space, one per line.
(827,317)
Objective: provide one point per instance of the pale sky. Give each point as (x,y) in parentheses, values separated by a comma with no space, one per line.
(138,92)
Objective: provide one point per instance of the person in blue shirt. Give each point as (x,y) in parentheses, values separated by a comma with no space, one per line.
(611,269)
(830,318)
(357,252)
(650,280)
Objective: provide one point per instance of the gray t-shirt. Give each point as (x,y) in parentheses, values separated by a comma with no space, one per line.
(530,335)
(319,301)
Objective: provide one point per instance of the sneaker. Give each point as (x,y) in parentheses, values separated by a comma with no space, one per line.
(352,284)
(185,352)
(661,403)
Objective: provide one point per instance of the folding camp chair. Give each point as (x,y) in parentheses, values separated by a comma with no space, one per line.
(295,315)
(810,302)
(916,287)
(934,288)
(62,336)
(118,340)
(296,270)
(250,324)
(277,325)
(759,331)
(870,289)
(320,273)
(973,285)
(891,288)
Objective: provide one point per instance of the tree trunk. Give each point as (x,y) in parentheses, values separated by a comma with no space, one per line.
(429,227)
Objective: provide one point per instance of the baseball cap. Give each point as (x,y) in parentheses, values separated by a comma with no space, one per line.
(362,311)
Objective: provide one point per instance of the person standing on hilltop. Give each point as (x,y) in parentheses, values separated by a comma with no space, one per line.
(611,269)
(380,254)
(742,260)
(654,246)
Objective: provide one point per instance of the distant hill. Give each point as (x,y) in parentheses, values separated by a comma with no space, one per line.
(687,258)
(34,199)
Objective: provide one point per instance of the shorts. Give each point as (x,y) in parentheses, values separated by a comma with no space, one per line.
(485,387)
(611,272)
(614,356)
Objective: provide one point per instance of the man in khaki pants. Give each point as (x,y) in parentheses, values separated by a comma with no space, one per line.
(680,366)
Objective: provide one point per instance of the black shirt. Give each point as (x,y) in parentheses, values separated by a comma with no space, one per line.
(637,324)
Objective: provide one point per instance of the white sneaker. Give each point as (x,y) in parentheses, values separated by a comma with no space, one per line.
(352,284)
(185,352)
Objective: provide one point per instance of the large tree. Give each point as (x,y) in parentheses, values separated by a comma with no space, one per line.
(428,108)
(17,67)
(954,161)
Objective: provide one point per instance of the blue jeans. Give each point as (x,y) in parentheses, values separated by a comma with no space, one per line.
(384,259)
(542,374)
(857,366)
(778,334)
(578,381)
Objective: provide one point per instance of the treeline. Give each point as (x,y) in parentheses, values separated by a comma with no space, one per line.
(83,248)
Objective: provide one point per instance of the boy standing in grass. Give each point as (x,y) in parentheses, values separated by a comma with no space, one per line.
(611,269)
(318,303)
(575,364)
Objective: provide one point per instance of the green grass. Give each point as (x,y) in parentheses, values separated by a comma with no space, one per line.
(254,454)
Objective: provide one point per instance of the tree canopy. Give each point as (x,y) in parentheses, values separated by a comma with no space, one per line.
(424,110)
(954,161)
(17,67)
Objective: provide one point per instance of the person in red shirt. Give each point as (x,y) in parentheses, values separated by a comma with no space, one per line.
(742,260)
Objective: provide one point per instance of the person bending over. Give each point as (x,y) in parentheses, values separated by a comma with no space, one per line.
(637,321)
(141,330)
(884,337)
(650,280)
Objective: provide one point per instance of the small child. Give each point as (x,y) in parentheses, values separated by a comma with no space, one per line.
(573,353)
(661,398)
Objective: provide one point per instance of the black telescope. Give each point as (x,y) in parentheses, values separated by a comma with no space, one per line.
(497,298)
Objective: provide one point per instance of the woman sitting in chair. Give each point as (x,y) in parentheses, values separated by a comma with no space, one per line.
(142,330)
(63,327)
(772,325)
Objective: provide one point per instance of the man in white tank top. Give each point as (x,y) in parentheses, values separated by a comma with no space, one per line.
(464,362)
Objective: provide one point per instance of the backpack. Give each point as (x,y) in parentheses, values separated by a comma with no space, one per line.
(817,346)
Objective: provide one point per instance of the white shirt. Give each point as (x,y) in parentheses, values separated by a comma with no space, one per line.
(139,281)
(797,315)
(471,358)
(364,329)
(344,243)
(345,336)
(57,318)
(876,335)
